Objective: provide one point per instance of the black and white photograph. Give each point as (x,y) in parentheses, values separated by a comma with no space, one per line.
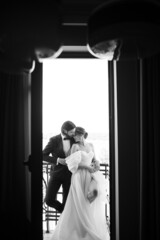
(80,114)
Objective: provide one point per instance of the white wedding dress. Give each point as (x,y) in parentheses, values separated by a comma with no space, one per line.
(80,219)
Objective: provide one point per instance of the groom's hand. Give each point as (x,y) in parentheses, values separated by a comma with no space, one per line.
(61,161)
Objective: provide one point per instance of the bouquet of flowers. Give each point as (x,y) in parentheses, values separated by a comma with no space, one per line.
(93,187)
(96,165)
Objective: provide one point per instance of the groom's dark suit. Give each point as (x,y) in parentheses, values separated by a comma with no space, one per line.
(60,175)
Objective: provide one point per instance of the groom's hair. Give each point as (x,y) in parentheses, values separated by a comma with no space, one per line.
(68,125)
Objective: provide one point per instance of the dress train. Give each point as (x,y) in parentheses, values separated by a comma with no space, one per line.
(82,220)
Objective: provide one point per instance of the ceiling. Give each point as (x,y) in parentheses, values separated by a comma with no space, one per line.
(75,15)
(25,25)
(37,31)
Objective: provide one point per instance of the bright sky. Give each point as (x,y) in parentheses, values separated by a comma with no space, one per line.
(76,90)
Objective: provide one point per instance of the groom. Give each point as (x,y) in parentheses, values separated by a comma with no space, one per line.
(59,146)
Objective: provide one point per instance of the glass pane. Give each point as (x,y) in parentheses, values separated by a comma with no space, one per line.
(76,90)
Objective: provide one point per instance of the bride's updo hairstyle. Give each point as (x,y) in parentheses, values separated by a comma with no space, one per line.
(81,131)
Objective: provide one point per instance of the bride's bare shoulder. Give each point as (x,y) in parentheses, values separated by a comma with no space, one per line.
(75,147)
(91,145)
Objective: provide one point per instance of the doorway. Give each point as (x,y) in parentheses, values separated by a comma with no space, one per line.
(76,90)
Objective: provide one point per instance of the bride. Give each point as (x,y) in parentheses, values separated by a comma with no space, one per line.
(83,217)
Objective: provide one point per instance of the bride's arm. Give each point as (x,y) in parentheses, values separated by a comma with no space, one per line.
(74,149)
(89,168)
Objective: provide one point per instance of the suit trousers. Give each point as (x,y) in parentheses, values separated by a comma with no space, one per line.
(60,176)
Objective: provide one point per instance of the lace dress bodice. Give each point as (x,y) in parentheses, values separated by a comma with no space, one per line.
(86,158)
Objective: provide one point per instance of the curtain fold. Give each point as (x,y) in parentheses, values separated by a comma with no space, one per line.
(12,149)
(150,160)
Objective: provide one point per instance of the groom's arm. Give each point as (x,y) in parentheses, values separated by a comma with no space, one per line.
(48,153)
(72,150)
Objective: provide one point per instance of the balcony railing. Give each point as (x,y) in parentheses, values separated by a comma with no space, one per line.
(51,216)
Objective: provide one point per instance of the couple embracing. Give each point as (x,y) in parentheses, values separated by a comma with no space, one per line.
(84,187)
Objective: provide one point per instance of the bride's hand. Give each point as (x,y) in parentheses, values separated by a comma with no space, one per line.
(91,169)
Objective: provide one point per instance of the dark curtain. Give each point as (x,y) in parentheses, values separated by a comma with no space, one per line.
(150,155)
(12,149)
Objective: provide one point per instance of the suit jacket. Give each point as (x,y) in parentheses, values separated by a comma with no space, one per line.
(55,148)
